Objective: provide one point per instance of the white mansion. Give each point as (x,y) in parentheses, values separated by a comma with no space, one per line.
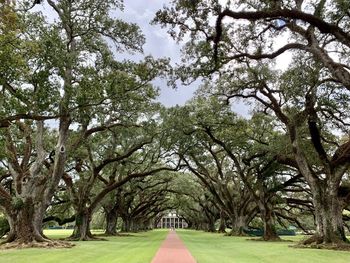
(172,220)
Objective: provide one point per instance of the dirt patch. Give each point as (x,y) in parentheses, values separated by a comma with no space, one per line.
(88,238)
(117,235)
(332,246)
(34,244)
(270,240)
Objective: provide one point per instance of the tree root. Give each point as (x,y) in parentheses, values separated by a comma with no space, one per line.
(235,234)
(314,239)
(261,239)
(125,234)
(331,246)
(118,234)
(270,239)
(17,244)
(86,238)
(317,241)
(110,234)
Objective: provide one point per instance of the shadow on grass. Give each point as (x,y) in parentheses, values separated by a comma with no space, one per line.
(271,240)
(122,234)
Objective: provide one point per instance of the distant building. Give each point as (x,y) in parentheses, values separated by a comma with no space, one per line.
(172,220)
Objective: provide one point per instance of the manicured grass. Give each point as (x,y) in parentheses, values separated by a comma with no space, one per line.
(205,247)
(216,248)
(137,248)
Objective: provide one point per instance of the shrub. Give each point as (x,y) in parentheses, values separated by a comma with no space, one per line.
(4,226)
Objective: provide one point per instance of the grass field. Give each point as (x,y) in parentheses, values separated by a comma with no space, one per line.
(205,247)
(137,248)
(216,248)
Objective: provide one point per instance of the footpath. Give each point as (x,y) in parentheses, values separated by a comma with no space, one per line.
(173,250)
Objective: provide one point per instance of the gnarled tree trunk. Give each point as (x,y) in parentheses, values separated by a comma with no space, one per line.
(222,226)
(328,212)
(82,226)
(111,224)
(266,215)
(25,220)
(267,218)
(32,191)
(324,189)
(126,224)
(239,223)
(111,221)
(211,226)
(23,226)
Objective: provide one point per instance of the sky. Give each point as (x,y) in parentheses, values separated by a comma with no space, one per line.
(158,44)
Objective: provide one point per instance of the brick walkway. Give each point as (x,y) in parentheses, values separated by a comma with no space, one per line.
(173,250)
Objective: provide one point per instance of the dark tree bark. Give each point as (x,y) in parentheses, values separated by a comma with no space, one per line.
(111,222)
(126,224)
(329,216)
(24,227)
(328,205)
(238,224)
(267,218)
(211,226)
(222,226)
(82,226)
(25,220)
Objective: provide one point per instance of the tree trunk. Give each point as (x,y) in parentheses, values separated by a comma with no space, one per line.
(134,226)
(111,222)
(23,227)
(25,222)
(211,226)
(82,227)
(190,225)
(266,216)
(126,225)
(32,193)
(328,212)
(238,225)
(222,227)
(144,225)
(328,206)
(269,228)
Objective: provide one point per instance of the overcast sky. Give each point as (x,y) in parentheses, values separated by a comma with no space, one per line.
(158,44)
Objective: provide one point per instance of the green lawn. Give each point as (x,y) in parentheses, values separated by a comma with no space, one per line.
(205,247)
(138,248)
(216,248)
